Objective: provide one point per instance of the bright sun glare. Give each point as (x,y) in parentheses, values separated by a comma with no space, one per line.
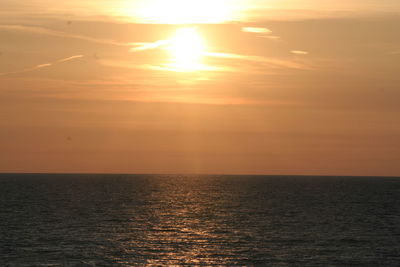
(186,48)
(182,11)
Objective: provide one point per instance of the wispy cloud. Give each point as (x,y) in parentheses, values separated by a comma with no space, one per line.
(299,52)
(70,58)
(40,66)
(27,70)
(40,30)
(272,37)
(147,46)
(260,59)
(270,61)
(256,30)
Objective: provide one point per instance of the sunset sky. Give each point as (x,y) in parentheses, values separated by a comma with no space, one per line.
(211,86)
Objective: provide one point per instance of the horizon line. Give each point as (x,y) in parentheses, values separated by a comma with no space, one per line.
(198,174)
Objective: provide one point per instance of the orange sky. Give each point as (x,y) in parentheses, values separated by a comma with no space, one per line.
(258,87)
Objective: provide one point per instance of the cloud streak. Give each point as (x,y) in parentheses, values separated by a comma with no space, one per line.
(148,46)
(270,61)
(256,30)
(40,30)
(299,52)
(70,58)
(27,70)
(41,66)
(260,59)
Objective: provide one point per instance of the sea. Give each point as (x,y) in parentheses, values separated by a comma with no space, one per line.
(198,220)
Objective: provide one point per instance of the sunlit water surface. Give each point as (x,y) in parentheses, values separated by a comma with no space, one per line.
(131,220)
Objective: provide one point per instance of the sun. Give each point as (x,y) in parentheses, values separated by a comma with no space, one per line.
(186,48)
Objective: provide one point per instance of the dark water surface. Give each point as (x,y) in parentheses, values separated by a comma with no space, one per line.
(136,220)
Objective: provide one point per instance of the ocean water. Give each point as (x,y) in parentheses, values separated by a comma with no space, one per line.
(150,220)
